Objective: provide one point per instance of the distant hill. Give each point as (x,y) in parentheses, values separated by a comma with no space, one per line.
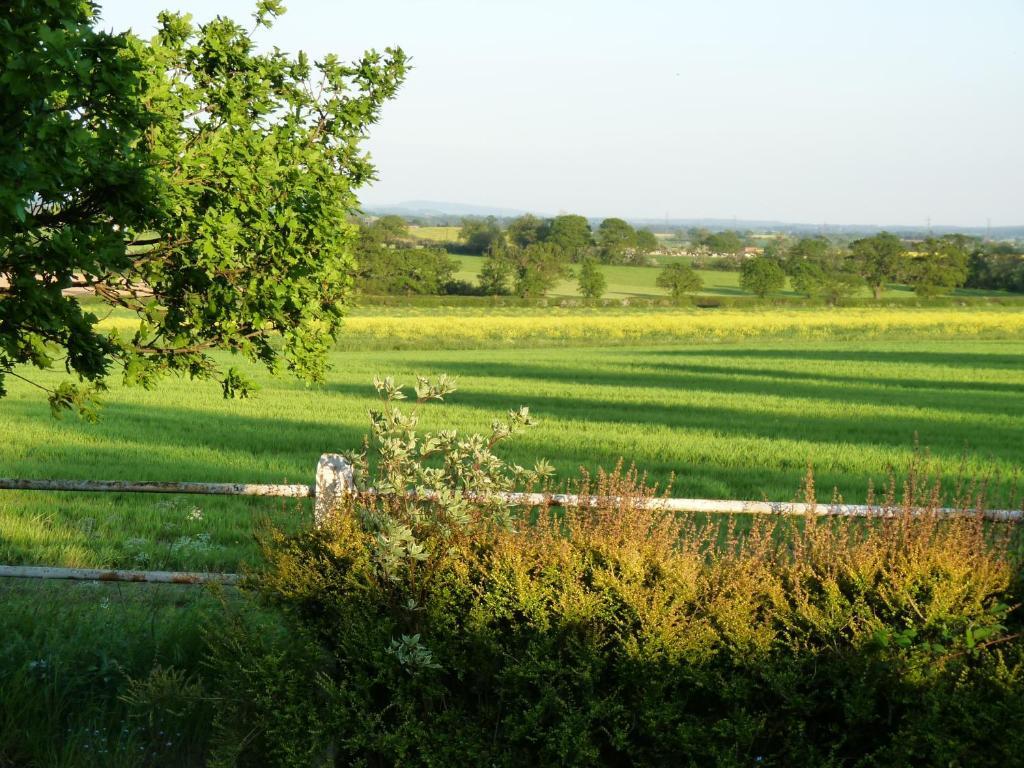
(447,212)
(435,209)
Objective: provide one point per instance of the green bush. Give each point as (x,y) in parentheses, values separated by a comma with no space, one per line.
(443,629)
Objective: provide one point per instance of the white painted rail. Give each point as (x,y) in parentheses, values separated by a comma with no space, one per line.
(335,480)
(730,507)
(122,486)
(102,574)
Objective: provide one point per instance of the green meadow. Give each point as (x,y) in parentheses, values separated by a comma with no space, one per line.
(728,420)
(100,675)
(630,281)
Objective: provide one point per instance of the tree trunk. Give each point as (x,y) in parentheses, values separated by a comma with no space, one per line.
(877,289)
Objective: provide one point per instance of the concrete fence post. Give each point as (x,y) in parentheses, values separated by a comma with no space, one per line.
(334,480)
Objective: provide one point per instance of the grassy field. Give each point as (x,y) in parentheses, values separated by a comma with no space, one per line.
(628,281)
(435,234)
(732,404)
(739,418)
(623,281)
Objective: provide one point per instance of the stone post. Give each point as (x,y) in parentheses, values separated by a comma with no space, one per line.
(334,480)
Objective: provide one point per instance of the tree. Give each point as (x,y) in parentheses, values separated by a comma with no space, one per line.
(878,259)
(572,234)
(526,230)
(396,271)
(390,229)
(761,276)
(644,243)
(260,153)
(592,282)
(537,268)
(695,235)
(385,231)
(680,279)
(496,272)
(939,264)
(615,239)
(830,279)
(805,250)
(255,159)
(73,183)
(996,266)
(724,243)
(480,235)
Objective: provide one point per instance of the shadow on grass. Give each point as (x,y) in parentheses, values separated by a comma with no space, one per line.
(971,360)
(943,433)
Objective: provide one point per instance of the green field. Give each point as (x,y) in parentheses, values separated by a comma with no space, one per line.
(623,281)
(733,404)
(629,281)
(435,234)
(729,420)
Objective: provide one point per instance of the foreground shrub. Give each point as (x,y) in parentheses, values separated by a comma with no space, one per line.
(441,630)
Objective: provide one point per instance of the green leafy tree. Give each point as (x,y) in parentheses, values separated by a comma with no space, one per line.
(537,268)
(480,235)
(644,244)
(615,239)
(806,250)
(592,282)
(696,235)
(255,157)
(390,229)
(387,231)
(495,276)
(761,276)
(939,265)
(830,278)
(526,230)
(878,259)
(679,279)
(74,185)
(405,271)
(261,156)
(724,243)
(996,266)
(572,234)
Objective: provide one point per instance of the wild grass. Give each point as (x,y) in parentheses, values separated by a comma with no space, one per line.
(619,635)
(104,675)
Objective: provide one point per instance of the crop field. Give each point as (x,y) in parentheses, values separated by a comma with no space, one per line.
(558,326)
(435,234)
(734,405)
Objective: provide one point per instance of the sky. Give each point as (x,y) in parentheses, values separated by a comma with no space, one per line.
(869,112)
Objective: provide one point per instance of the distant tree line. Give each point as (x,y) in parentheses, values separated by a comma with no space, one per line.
(527,256)
(387,264)
(830,271)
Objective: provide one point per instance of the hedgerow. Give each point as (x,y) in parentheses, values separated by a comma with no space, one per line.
(448,629)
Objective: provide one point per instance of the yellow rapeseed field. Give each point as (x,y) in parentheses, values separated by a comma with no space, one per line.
(564,328)
(444,328)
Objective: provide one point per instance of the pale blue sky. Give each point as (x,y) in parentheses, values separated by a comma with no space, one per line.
(839,112)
